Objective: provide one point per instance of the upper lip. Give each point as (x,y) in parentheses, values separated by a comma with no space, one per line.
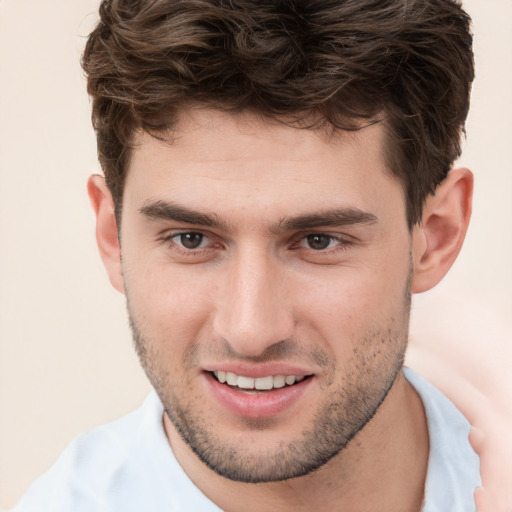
(259,370)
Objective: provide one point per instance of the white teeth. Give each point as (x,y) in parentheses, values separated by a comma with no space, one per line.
(231,379)
(290,379)
(259,383)
(245,382)
(279,381)
(263,382)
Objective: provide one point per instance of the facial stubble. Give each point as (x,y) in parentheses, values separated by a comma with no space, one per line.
(346,409)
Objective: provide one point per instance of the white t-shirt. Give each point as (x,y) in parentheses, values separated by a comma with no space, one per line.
(128,466)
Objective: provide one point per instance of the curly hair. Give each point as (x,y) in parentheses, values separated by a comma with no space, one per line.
(344,63)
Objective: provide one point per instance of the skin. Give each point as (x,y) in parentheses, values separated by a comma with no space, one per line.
(475,388)
(260,292)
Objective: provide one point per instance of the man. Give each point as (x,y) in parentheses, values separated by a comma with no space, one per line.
(277,184)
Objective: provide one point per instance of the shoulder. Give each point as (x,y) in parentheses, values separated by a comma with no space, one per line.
(453,468)
(95,463)
(127,465)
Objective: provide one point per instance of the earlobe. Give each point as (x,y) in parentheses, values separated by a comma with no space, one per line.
(439,238)
(106,229)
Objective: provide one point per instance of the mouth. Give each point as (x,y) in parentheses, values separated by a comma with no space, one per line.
(257,384)
(252,394)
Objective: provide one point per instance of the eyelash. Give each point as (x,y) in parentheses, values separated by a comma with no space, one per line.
(169,239)
(343,242)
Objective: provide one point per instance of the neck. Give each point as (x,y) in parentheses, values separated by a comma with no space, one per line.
(383,468)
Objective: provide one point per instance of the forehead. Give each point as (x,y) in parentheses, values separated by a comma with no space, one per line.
(207,134)
(227,162)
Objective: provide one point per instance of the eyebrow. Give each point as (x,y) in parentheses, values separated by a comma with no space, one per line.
(163,210)
(336,217)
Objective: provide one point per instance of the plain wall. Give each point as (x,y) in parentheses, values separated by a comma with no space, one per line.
(66,357)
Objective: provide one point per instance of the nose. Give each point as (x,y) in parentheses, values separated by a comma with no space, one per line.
(253,309)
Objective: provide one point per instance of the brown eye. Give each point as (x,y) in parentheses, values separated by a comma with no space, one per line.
(190,240)
(318,242)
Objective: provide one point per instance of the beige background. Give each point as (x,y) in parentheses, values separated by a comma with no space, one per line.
(66,359)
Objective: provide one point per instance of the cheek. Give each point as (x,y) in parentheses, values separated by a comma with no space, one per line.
(168,303)
(354,303)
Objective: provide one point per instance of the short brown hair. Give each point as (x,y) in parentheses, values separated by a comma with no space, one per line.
(408,63)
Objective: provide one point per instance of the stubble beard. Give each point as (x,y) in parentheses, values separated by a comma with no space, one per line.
(345,411)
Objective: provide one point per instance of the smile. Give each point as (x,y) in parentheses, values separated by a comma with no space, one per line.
(257,383)
(252,394)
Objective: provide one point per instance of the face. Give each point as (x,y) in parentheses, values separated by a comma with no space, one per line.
(267,273)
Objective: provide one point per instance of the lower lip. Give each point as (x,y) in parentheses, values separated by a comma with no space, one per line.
(256,404)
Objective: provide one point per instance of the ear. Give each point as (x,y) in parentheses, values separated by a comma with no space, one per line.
(439,238)
(106,229)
